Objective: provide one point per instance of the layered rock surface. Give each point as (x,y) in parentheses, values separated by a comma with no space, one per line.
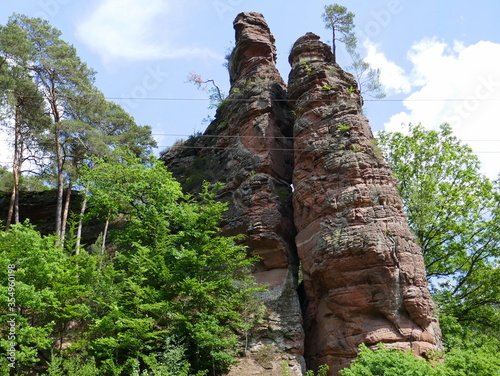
(364,274)
(248,147)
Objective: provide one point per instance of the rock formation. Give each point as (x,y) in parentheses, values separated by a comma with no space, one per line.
(363,271)
(248,147)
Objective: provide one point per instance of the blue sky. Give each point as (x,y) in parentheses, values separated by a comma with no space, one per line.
(439,60)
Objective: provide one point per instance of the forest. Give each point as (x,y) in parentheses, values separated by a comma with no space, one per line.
(159,291)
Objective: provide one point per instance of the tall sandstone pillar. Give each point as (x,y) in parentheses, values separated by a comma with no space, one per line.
(363,271)
(249,148)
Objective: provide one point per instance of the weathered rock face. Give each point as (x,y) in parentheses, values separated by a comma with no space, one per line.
(40,207)
(364,274)
(248,147)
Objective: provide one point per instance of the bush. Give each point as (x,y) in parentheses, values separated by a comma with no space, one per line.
(389,362)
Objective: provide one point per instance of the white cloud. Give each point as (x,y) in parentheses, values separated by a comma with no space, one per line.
(459,85)
(392,76)
(139,30)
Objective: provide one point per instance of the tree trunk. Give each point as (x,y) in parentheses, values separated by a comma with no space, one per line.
(60,182)
(13,198)
(105,234)
(80,221)
(17,176)
(333,45)
(13,211)
(65,213)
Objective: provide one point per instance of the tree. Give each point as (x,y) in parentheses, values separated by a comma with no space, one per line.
(216,97)
(337,18)
(368,78)
(340,21)
(24,114)
(49,294)
(66,84)
(176,271)
(167,297)
(82,122)
(215,94)
(116,131)
(454,212)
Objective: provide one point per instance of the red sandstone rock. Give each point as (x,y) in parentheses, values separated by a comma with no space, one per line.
(364,274)
(249,148)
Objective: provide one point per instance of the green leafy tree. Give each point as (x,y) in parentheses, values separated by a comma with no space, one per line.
(168,296)
(175,274)
(49,295)
(341,22)
(454,212)
(115,131)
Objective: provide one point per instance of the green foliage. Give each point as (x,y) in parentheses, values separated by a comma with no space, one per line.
(167,297)
(285,370)
(470,351)
(298,111)
(343,128)
(49,292)
(304,62)
(480,359)
(355,147)
(340,21)
(322,371)
(389,362)
(453,210)
(186,280)
(77,365)
(368,79)
(468,359)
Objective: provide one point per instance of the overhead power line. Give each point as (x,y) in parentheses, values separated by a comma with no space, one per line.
(269,149)
(271,137)
(288,100)
(299,100)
